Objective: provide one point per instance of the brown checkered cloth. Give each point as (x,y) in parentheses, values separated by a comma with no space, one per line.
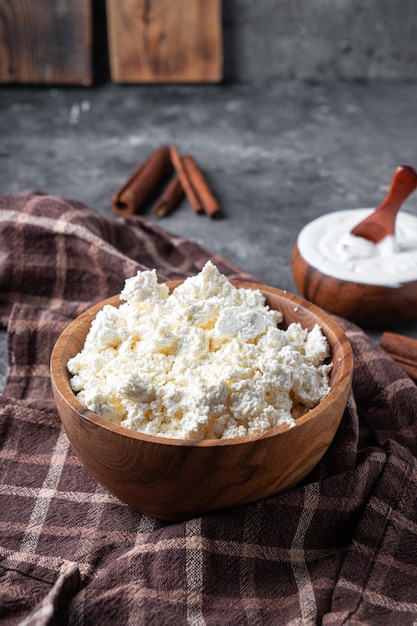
(340,549)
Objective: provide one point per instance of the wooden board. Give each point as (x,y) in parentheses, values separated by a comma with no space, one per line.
(165,40)
(46,41)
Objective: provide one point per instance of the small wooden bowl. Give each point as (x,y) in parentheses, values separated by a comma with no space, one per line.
(367,305)
(175,480)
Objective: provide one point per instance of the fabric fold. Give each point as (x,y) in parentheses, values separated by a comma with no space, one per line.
(338,549)
(38,588)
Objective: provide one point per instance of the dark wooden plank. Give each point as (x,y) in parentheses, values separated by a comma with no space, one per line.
(165,40)
(47,41)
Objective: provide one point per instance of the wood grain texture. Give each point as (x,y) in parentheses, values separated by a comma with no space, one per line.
(382,221)
(46,42)
(174,479)
(164,41)
(367,305)
(403,350)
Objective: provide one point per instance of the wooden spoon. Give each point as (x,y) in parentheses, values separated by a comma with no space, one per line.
(382,221)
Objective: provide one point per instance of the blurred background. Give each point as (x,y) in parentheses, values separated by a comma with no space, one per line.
(291,108)
(90,41)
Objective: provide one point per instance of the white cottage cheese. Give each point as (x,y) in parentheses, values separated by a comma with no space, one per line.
(206,361)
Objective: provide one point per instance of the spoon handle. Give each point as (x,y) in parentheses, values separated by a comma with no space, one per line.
(382,221)
(403,183)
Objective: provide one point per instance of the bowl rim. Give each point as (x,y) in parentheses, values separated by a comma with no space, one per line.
(67,395)
(303,235)
(361,286)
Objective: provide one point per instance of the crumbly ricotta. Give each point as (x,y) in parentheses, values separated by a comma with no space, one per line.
(205,361)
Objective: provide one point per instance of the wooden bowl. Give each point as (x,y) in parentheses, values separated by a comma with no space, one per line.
(175,480)
(367,305)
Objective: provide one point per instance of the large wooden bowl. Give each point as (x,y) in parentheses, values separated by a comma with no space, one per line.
(173,479)
(367,305)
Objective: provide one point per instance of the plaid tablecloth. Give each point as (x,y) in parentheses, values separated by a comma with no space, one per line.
(339,549)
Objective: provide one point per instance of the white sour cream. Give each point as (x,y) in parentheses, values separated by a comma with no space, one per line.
(327,244)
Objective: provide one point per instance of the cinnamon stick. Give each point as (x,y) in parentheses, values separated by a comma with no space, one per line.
(129,198)
(403,350)
(201,187)
(178,163)
(169,198)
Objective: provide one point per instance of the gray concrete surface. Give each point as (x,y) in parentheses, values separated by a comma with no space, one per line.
(277,153)
(320,39)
